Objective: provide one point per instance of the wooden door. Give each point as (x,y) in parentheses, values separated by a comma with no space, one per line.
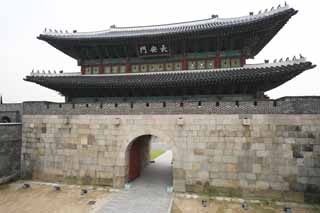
(134,162)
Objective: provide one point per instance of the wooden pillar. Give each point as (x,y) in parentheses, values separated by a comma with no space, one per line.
(83,68)
(128,67)
(242,60)
(101,69)
(184,64)
(217,61)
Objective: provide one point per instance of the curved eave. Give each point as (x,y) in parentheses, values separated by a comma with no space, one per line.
(269,25)
(230,81)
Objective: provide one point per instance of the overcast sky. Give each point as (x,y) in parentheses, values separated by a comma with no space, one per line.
(22,21)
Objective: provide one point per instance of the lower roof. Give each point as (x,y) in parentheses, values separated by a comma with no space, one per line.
(249,79)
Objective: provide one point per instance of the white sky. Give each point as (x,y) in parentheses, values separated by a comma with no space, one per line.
(22,21)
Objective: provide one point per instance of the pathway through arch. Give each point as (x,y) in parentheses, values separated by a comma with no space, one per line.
(148,193)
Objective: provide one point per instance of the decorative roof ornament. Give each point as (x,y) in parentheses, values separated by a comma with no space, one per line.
(55,72)
(45,30)
(113,26)
(281,60)
(259,12)
(214,16)
(50,30)
(56,31)
(294,58)
(279,6)
(272,8)
(285,4)
(49,72)
(301,57)
(43,72)
(266,10)
(61,31)
(66,31)
(38,71)
(32,72)
(287,59)
(275,61)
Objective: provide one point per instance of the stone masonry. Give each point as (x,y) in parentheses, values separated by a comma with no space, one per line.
(10,149)
(10,141)
(277,148)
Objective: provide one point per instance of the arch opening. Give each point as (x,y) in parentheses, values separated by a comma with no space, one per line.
(140,165)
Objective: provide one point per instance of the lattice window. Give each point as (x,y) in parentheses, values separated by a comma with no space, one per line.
(115,68)
(177,66)
(210,64)
(201,65)
(169,66)
(144,68)
(107,69)
(123,69)
(235,62)
(88,70)
(225,63)
(160,67)
(192,65)
(95,70)
(135,68)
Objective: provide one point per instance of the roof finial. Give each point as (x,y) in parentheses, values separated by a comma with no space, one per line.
(287,59)
(281,60)
(279,6)
(285,4)
(272,8)
(275,61)
(266,10)
(50,30)
(61,31)
(259,12)
(67,31)
(45,30)
(294,58)
(301,57)
(113,26)
(56,31)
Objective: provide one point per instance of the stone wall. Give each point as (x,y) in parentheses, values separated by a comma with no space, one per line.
(10,149)
(278,152)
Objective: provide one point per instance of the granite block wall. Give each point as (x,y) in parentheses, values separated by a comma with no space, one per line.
(10,149)
(279,152)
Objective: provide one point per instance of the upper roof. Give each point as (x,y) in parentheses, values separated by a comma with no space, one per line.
(174,28)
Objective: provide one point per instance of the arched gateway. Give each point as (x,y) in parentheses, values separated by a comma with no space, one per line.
(137,152)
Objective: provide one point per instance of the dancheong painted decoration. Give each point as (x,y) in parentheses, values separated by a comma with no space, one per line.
(202,57)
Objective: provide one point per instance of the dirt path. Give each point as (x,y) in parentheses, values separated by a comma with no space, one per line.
(43,199)
(183,205)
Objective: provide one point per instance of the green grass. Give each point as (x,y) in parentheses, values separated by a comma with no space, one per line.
(156,153)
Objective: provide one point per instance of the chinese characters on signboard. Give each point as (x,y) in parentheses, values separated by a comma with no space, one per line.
(153,50)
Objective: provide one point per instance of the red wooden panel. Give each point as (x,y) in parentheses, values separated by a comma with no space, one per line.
(134,162)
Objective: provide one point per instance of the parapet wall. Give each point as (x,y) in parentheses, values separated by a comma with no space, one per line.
(292,105)
(11,111)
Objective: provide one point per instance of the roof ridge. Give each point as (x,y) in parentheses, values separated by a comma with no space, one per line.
(113,28)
